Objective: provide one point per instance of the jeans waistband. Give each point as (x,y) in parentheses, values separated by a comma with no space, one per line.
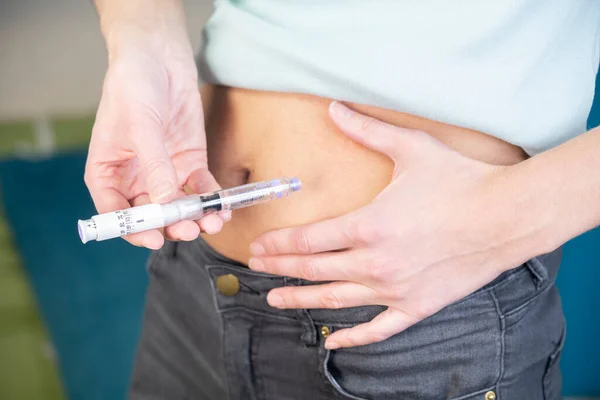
(254,287)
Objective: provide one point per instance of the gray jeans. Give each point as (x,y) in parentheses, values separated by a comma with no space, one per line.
(208,333)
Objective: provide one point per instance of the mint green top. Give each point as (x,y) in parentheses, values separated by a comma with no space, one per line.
(520,70)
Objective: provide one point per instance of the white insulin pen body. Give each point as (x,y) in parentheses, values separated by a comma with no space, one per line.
(152,216)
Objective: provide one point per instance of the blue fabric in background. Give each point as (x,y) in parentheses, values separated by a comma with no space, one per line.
(91,296)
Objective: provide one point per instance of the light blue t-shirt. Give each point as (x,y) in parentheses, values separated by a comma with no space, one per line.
(520,70)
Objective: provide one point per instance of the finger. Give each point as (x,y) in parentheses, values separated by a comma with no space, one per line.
(152,239)
(161,178)
(225,215)
(107,200)
(335,266)
(329,235)
(185,230)
(211,224)
(385,325)
(331,295)
(202,181)
(181,231)
(373,133)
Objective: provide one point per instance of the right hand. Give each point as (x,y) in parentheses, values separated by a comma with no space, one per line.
(148,141)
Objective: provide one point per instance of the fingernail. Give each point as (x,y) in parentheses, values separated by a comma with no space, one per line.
(340,110)
(256,264)
(275,300)
(256,249)
(226,216)
(329,345)
(161,191)
(152,244)
(211,231)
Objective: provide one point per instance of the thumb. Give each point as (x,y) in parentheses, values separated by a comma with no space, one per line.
(161,178)
(202,181)
(377,135)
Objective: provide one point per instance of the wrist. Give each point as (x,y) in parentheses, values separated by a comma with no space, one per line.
(137,25)
(560,193)
(523,213)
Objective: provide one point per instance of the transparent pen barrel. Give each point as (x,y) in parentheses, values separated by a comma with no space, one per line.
(254,193)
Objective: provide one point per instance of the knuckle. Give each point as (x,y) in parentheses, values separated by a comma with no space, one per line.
(352,229)
(352,339)
(376,269)
(310,271)
(397,292)
(370,124)
(330,300)
(155,164)
(269,245)
(286,299)
(301,242)
(363,232)
(87,179)
(376,336)
(358,231)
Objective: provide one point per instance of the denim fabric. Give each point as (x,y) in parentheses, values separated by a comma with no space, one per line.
(200,344)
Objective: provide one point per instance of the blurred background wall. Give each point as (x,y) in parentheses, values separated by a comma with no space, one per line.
(70,314)
(52,56)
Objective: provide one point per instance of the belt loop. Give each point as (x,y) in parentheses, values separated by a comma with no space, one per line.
(309,337)
(538,270)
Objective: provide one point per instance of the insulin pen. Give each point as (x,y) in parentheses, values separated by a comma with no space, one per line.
(152,216)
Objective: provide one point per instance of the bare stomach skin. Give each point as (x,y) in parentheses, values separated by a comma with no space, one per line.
(254,136)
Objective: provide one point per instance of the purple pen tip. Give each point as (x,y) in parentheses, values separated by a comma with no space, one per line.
(295,184)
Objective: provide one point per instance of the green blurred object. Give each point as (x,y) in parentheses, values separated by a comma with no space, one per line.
(27,368)
(72,133)
(15,135)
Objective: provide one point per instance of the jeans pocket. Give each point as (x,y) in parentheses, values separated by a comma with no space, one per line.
(327,368)
(552,381)
(453,355)
(519,289)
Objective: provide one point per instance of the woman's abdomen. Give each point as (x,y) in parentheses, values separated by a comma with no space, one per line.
(254,136)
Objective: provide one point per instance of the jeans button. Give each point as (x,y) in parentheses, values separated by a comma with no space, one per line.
(490,395)
(324,331)
(228,284)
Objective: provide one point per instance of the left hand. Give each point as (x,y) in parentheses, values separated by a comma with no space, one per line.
(440,230)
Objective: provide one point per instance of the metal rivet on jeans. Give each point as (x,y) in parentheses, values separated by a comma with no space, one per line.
(324,331)
(490,395)
(228,284)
